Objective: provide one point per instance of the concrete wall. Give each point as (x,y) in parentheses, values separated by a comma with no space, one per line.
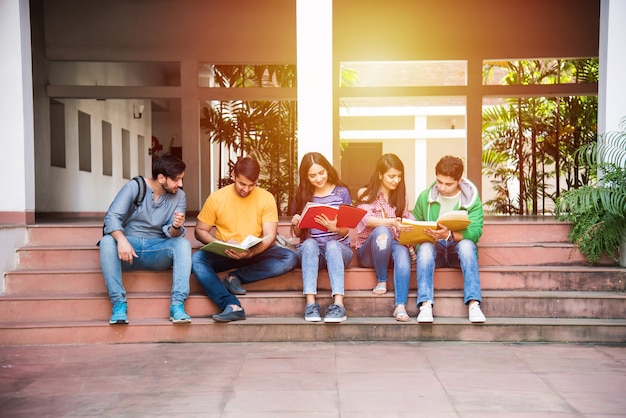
(11,237)
(71,190)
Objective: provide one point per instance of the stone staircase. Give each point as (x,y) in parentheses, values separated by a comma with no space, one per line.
(536,287)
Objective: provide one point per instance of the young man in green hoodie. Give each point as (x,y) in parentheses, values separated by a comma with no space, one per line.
(457,249)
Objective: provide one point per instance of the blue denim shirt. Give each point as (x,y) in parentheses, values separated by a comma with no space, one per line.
(150,219)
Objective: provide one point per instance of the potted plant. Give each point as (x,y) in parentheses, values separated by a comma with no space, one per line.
(597,210)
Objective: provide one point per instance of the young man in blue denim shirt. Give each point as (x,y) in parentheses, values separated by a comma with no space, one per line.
(148,237)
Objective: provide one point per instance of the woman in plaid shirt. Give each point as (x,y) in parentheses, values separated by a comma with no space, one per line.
(385,201)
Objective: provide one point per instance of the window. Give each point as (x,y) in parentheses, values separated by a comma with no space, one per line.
(107,149)
(540,71)
(125,154)
(530,134)
(414,109)
(403,73)
(141,155)
(57,134)
(84,142)
(247,75)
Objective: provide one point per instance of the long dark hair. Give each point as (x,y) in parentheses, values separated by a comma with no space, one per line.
(397,197)
(305,190)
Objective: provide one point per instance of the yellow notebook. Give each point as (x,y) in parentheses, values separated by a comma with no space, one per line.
(455,220)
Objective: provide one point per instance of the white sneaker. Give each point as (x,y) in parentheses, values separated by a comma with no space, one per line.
(426,312)
(475,314)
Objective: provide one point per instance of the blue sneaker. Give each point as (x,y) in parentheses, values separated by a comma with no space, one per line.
(335,313)
(119,314)
(178,314)
(312,312)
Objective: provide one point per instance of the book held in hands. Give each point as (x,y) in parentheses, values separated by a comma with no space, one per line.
(347,216)
(218,247)
(455,220)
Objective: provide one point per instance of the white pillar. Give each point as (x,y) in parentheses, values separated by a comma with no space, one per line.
(421,156)
(16,114)
(315,77)
(612,84)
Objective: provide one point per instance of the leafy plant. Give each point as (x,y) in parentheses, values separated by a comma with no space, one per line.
(265,130)
(528,141)
(597,210)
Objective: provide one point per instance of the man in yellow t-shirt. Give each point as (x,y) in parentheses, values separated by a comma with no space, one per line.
(236,211)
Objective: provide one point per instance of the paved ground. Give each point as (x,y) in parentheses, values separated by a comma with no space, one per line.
(421,379)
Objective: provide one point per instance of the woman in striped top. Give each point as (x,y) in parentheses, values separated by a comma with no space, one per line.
(327,246)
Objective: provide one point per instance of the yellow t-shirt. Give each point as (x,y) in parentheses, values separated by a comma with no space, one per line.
(236,217)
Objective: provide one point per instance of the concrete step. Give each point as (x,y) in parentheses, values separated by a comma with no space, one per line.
(448,303)
(88,234)
(503,254)
(204,330)
(82,281)
(536,287)
(497,229)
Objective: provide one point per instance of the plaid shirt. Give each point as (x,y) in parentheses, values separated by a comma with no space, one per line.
(379,208)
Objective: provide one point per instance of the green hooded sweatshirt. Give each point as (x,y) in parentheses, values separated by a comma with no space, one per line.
(427,208)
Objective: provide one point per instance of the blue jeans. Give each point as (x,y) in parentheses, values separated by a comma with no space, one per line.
(155,254)
(463,254)
(334,255)
(270,263)
(377,251)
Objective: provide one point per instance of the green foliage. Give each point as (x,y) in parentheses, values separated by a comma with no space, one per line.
(265,130)
(597,210)
(529,141)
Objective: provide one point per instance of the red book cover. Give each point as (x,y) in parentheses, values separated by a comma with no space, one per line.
(347,216)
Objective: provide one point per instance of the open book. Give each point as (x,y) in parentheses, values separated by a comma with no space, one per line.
(347,216)
(218,247)
(455,220)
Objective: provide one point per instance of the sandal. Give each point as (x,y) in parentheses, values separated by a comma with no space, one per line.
(380,289)
(400,314)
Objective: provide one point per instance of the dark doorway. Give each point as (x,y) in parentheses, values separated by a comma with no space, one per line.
(358,161)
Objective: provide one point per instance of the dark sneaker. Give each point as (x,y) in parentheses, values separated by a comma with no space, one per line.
(233,285)
(335,313)
(178,314)
(120,314)
(229,314)
(312,312)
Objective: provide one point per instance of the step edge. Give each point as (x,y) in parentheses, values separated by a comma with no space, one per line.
(256,321)
(284,294)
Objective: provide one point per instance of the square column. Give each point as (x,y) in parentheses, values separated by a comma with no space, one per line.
(16,114)
(315,77)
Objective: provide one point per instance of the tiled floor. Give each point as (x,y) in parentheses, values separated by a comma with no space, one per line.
(429,379)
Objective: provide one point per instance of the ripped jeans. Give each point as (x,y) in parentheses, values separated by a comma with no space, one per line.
(378,250)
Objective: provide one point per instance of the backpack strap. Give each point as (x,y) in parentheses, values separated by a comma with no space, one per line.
(141,182)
